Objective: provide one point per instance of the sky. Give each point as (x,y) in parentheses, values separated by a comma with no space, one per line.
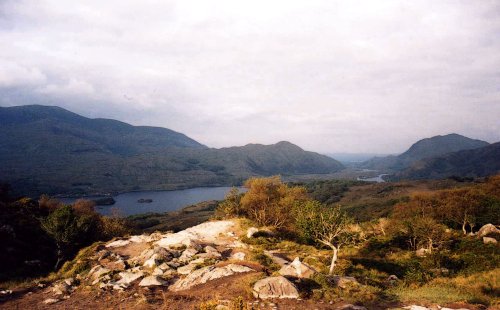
(330,76)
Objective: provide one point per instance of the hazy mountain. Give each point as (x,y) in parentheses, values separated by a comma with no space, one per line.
(425,148)
(51,150)
(477,162)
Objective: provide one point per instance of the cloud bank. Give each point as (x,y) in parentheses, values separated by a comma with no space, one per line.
(330,76)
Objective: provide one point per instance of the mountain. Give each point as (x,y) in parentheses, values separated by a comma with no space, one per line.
(425,148)
(477,162)
(47,129)
(51,150)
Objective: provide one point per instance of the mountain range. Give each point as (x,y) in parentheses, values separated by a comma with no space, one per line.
(46,149)
(423,149)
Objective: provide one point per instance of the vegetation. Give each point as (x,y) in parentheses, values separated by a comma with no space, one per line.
(416,252)
(38,236)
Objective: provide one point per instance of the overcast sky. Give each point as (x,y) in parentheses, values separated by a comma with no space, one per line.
(330,76)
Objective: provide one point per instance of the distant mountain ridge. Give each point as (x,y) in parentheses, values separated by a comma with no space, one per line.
(51,150)
(478,162)
(425,148)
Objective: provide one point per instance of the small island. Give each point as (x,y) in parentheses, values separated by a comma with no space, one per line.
(145,200)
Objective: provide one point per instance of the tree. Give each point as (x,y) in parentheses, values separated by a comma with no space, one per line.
(230,207)
(328,226)
(462,206)
(423,232)
(67,228)
(269,201)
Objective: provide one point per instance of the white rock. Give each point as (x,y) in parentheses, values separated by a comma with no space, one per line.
(252,231)
(117,243)
(238,256)
(139,238)
(157,272)
(152,281)
(128,277)
(186,269)
(50,301)
(206,232)
(297,269)
(489,240)
(415,307)
(206,274)
(151,262)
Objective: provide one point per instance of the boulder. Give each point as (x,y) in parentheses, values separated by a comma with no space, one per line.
(489,240)
(252,231)
(297,269)
(152,281)
(415,307)
(62,288)
(344,282)
(206,274)
(275,287)
(487,230)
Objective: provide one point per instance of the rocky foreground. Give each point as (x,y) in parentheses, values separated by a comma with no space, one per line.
(204,263)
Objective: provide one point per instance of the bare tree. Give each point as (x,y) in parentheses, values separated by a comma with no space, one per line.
(325,225)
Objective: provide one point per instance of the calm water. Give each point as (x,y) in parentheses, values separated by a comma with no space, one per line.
(163,201)
(377,179)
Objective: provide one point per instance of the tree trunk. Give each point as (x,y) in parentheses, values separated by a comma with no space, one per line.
(463,227)
(60,258)
(334,259)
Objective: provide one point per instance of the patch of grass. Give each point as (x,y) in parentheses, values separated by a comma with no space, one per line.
(480,288)
(81,263)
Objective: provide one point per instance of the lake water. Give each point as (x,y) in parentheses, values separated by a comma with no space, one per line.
(163,201)
(377,179)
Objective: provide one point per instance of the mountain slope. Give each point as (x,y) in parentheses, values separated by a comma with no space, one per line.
(51,150)
(478,162)
(46,129)
(425,148)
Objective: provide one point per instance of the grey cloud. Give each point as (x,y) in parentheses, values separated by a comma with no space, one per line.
(331,76)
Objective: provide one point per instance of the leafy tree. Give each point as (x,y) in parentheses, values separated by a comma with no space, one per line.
(423,232)
(230,207)
(328,226)
(67,228)
(269,201)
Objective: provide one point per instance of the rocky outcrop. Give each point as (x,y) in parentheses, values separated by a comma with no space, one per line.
(275,287)
(206,274)
(297,269)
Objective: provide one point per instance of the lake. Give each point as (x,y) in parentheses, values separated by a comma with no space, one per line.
(378,179)
(163,201)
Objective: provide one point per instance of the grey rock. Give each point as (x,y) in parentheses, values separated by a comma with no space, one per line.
(297,269)
(275,287)
(206,274)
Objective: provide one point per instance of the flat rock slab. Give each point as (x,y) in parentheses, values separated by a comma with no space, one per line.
(275,287)
(206,232)
(206,274)
(152,281)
